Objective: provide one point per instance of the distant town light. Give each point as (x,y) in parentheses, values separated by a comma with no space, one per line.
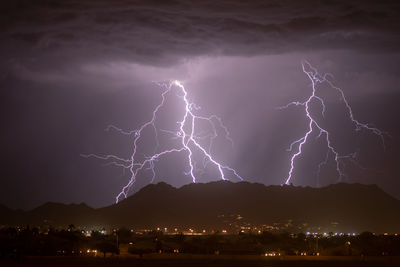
(271,254)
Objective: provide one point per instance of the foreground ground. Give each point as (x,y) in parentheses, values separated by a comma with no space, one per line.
(199,260)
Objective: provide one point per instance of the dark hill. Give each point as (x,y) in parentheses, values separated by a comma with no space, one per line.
(226,205)
(61,214)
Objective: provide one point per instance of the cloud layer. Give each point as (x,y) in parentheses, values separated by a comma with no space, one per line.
(165,32)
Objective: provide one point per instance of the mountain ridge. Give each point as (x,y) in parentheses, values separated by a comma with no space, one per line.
(214,205)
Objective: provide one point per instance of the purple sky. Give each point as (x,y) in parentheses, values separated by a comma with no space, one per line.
(70,69)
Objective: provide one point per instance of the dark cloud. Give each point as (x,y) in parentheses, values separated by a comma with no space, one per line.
(165,32)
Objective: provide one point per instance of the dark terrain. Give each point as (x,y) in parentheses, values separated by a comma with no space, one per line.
(202,261)
(216,205)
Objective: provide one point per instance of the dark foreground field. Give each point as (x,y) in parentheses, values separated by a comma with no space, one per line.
(196,260)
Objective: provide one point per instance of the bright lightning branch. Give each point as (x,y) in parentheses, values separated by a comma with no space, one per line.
(315,126)
(186,132)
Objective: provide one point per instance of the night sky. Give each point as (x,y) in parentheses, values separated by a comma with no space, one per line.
(69,69)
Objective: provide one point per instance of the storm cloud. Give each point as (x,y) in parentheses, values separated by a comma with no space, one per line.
(168,32)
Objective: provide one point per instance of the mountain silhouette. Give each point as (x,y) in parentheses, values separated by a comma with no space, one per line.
(226,205)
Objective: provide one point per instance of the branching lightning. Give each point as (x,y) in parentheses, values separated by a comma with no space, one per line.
(189,142)
(313,125)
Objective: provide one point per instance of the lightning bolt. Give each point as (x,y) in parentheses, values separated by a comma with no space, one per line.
(189,142)
(313,125)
